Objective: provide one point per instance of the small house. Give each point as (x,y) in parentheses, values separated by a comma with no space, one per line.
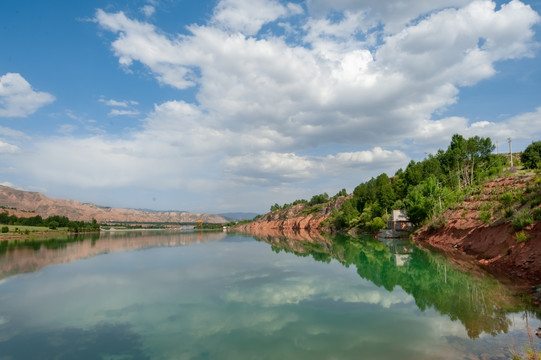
(399,221)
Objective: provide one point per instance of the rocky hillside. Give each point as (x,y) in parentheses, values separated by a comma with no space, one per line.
(498,224)
(33,203)
(293,219)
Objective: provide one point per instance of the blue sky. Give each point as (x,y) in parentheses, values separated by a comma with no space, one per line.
(233,105)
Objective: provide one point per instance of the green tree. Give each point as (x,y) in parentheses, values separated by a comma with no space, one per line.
(423,200)
(384,192)
(376,224)
(342,192)
(531,156)
(94,225)
(319,199)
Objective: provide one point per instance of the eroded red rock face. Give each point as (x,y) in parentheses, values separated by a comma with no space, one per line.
(295,220)
(493,245)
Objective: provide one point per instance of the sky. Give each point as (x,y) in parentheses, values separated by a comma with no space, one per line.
(234,105)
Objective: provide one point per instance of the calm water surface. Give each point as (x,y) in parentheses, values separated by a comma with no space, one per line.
(210,295)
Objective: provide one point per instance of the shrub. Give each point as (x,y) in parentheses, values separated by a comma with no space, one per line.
(312,209)
(507,199)
(535,202)
(536,214)
(438,223)
(485,216)
(5,229)
(521,236)
(376,224)
(521,220)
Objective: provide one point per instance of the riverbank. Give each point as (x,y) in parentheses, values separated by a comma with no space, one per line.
(497,227)
(32,233)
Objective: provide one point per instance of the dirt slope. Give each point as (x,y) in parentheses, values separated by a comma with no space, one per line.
(493,245)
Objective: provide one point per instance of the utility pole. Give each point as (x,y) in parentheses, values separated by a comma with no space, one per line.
(497,148)
(510,151)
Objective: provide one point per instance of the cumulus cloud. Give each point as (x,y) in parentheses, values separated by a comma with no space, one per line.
(340,93)
(392,14)
(18,99)
(352,88)
(247,16)
(271,169)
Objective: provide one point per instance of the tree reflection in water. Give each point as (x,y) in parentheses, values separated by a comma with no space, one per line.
(480,302)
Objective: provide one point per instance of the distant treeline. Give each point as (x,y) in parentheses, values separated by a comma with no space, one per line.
(52,222)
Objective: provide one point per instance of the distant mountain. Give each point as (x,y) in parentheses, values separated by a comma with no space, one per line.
(239,216)
(33,203)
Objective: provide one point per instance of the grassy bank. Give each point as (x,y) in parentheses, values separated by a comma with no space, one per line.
(24,232)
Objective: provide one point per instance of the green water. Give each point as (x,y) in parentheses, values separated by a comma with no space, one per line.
(213,295)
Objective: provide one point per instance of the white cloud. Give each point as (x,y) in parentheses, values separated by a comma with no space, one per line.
(348,92)
(392,14)
(18,99)
(248,16)
(6,148)
(115,103)
(148,10)
(126,107)
(523,127)
(272,169)
(12,133)
(117,112)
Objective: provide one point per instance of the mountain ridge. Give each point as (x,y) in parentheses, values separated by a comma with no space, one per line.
(28,203)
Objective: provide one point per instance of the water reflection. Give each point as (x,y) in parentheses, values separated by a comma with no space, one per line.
(31,255)
(235,299)
(477,300)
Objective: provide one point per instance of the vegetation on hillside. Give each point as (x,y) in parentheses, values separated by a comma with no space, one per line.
(425,188)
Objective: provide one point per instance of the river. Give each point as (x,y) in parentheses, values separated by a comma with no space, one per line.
(216,295)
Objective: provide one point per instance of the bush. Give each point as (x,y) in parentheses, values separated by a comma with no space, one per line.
(5,229)
(522,237)
(536,214)
(485,216)
(535,202)
(312,209)
(376,224)
(438,223)
(521,220)
(507,200)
